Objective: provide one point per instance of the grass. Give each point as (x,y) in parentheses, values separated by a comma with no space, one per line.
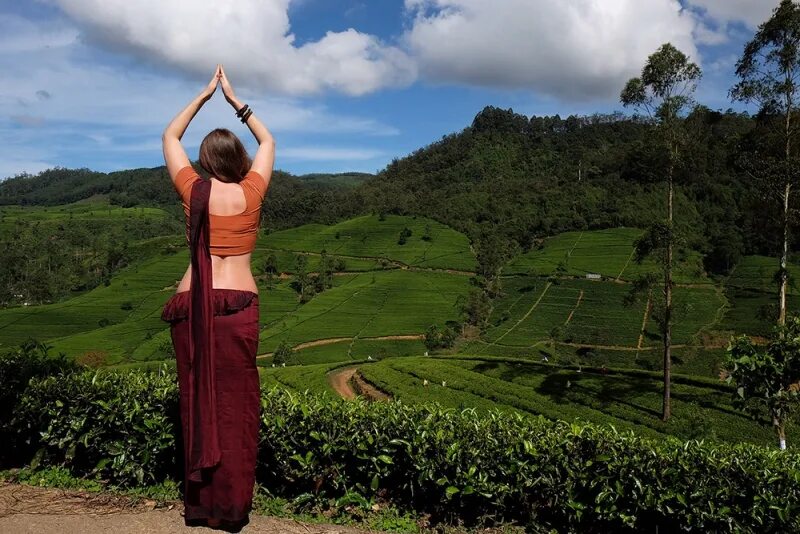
(605,252)
(625,399)
(374,304)
(367,236)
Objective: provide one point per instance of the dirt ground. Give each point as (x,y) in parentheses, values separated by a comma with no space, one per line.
(340,380)
(29,509)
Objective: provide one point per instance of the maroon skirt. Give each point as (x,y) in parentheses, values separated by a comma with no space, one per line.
(225,491)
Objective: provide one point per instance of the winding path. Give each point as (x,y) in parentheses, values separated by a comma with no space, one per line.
(330,340)
(340,379)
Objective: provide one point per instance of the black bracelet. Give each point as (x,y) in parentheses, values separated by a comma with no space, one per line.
(242,111)
(246,115)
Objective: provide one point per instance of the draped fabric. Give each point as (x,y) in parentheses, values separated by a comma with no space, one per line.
(215,335)
(203,432)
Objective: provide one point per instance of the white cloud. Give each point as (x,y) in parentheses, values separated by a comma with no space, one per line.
(76,109)
(577,49)
(13,167)
(251,38)
(315,153)
(751,12)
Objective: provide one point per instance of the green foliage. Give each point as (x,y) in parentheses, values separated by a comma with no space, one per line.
(571,477)
(771,59)
(31,359)
(666,85)
(768,380)
(270,265)
(436,337)
(405,233)
(475,308)
(453,464)
(117,426)
(47,255)
(283,353)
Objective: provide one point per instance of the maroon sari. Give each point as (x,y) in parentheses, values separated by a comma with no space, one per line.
(215,335)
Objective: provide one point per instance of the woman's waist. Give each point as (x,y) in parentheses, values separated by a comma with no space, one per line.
(227,277)
(224,301)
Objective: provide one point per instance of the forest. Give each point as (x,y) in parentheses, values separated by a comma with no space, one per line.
(506,181)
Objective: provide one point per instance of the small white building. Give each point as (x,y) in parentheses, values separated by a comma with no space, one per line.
(593,276)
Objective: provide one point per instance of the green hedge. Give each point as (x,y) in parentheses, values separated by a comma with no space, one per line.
(454,465)
(17,366)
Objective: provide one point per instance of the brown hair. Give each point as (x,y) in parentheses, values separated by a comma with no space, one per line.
(223,156)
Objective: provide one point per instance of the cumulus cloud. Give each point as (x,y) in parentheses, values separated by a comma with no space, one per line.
(251,38)
(751,12)
(576,50)
(317,153)
(69,106)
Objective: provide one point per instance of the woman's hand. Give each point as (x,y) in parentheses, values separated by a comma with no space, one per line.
(208,92)
(227,89)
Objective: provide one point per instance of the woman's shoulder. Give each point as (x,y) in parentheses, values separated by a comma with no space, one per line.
(255,182)
(183,181)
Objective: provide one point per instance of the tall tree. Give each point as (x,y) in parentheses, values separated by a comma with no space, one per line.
(768,74)
(665,92)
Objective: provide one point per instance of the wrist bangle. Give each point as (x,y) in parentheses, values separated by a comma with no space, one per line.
(242,110)
(246,115)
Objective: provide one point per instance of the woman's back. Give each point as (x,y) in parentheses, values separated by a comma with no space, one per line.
(234,219)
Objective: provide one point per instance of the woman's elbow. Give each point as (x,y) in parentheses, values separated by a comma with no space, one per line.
(167,135)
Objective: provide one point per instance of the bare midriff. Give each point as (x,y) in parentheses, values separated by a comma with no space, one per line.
(232,232)
(228,272)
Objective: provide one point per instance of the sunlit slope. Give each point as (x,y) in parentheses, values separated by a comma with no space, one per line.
(77,211)
(368,236)
(383,303)
(368,308)
(592,312)
(609,253)
(114,318)
(627,400)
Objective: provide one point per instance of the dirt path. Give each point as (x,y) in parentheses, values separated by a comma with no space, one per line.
(340,380)
(329,340)
(368,390)
(30,509)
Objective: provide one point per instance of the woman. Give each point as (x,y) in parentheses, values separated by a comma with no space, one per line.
(213,315)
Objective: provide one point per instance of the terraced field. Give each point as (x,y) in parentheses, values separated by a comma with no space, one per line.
(386,295)
(369,306)
(369,237)
(625,399)
(608,253)
(74,213)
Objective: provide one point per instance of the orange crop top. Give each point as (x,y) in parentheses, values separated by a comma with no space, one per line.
(230,234)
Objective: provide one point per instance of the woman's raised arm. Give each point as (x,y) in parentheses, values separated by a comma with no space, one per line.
(265,155)
(174,155)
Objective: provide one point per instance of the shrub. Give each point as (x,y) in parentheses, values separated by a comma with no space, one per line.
(456,465)
(119,426)
(17,367)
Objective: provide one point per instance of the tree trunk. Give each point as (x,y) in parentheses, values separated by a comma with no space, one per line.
(781,430)
(668,296)
(786,193)
(784,256)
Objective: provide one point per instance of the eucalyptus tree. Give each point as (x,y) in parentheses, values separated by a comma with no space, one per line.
(664,91)
(769,72)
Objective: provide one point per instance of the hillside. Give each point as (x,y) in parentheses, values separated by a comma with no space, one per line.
(506,181)
(355,271)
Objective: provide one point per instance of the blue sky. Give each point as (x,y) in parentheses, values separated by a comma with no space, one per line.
(342,84)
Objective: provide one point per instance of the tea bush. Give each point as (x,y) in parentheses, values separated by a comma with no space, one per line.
(455,465)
